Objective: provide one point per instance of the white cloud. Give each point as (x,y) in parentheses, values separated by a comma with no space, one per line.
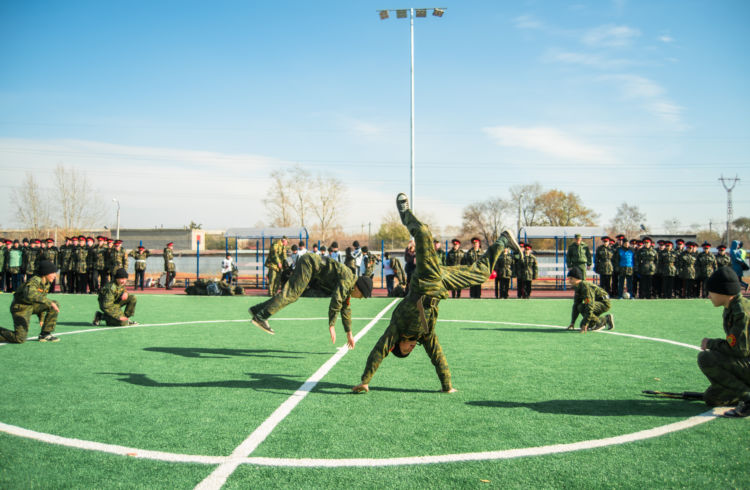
(587,59)
(527,22)
(651,94)
(549,141)
(666,38)
(610,36)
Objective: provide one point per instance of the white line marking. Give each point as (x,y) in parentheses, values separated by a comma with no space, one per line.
(220,474)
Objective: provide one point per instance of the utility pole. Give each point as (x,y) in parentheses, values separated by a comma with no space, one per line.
(728,188)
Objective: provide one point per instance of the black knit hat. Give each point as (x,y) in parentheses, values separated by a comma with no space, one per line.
(46,267)
(121,274)
(364,284)
(724,281)
(575,272)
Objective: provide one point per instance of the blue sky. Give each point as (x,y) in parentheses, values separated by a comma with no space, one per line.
(181,109)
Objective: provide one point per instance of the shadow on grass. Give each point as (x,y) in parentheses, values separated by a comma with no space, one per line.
(275,383)
(523,329)
(208,353)
(602,408)
(77,324)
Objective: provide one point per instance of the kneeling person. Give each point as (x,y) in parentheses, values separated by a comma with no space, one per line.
(31,298)
(726,361)
(589,301)
(112,299)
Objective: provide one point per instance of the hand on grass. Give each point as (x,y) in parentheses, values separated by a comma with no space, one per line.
(362,388)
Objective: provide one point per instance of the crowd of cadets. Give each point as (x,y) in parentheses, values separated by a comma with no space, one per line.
(664,269)
(86,264)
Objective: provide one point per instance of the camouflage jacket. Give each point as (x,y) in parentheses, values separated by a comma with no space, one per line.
(603,263)
(81,259)
(504,265)
(667,265)
(646,261)
(585,294)
(578,255)
(336,280)
(736,322)
(398,270)
(110,299)
(276,259)
(723,260)
(66,258)
(34,291)
(99,257)
(168,255)
(686,265)
(30,258)
(3,258)
(705,265)
(471,256)
(52,254)
(454,257)
(118,259)
(370,260)
(140,259)
(527,268)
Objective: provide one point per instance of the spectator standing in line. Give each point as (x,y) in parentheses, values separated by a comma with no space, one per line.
(169,266)
(470,257)
(140,257)
(455,256)
(625,263)
(410,260)
(226,269)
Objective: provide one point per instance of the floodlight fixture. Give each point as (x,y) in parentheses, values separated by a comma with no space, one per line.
(421,12)
(438,12)
(401,14)
(383,14)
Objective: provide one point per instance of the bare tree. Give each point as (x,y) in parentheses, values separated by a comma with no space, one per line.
(76,213)
(486,218)
(561,209)
(628,220)
(525,201)
(279,206)
(329,191)
(392,231)
(300,182)
(32,206)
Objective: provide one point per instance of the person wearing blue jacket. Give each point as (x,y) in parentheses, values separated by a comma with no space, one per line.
(625,262)
(737,257)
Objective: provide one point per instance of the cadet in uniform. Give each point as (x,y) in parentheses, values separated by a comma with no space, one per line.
(413,320)
(99,272)
(276,264)
(3,260)
(31,299)
(668,268)
(30,258)
(470,257)
(705,265)
(726,361)
(369,261)
(169,267)
(323,277)
(722,257)
(64,256)
(140,257)
(113,297)
(589,301)
(81,257)
(455,257)
(117,259)
(527,269)
(51,253)
(686,271)
(647,259)
(603,264)
(504,271)
(579,255)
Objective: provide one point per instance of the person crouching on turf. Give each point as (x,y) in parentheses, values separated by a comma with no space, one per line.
(112,299)
(317,276)
(726,362)
(31,298)
(589,301)
(413,320)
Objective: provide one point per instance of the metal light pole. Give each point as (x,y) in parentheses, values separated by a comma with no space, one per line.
(114,199)
(401,14)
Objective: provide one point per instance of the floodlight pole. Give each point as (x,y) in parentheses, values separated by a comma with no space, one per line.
(114,199)
(437,12)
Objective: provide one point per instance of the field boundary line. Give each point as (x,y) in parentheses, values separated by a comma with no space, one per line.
(219,476)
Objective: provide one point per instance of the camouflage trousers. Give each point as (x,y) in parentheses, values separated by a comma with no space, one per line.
(590,313)
(274,280)
(22,318)
(291,292)
(729,377)
(112,315)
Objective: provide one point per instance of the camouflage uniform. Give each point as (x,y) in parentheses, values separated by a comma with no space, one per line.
(646,261)
(3,260)
(527,270)
(504,271)
(169,266)
(415,316)
(471,256)
(686,271)
(315,276)
(579,256)
(111,304)
(30,299)
(99,271)
(66,256)
(30,258)
(140,257)
(726,362)
(723,260)
(369,260)
(51,253)
(589,301)
(455,257)
(276,263)
(81,261)
(668,269)
(705,265)
(603,267)
(117,259)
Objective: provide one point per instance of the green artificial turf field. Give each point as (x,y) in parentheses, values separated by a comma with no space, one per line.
(163,404)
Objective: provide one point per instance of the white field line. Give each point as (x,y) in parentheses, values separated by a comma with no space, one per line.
(219,476)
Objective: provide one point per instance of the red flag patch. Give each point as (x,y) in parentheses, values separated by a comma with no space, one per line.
(731,340)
